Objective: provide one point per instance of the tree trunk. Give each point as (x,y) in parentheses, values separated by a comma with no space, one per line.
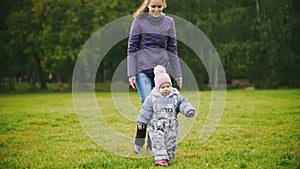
(33,81)
(11,82)
(257,10)
(61,86)
(43,82)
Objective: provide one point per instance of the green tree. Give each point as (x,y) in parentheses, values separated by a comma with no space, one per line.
(256,39)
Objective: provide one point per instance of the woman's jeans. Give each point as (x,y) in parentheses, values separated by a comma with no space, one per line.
(144,85)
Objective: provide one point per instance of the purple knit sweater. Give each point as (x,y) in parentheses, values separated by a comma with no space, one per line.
(152,42)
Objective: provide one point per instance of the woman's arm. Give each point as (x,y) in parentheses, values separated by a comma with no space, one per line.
(133,47)
(172,49)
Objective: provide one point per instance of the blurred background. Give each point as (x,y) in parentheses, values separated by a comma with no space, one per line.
(257,40)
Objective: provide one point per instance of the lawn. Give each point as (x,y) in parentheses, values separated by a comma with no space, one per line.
(259,129)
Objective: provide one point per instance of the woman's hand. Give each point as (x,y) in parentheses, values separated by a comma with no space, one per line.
(179,82)
(132,81)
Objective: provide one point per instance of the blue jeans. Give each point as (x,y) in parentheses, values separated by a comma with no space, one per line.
(144,85)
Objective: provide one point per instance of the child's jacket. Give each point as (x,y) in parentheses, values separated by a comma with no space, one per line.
(164,108)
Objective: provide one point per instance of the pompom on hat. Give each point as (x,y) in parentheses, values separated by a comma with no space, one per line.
(161,76)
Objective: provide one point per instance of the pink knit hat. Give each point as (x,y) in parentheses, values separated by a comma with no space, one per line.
(161,76)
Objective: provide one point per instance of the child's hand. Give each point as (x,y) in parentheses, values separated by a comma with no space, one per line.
(191,113)
(141,126)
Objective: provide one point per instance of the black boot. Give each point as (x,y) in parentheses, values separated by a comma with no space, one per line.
(139,140)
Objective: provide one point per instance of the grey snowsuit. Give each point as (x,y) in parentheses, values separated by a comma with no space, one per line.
(160,113)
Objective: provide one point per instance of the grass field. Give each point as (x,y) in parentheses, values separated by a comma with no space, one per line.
(259,129)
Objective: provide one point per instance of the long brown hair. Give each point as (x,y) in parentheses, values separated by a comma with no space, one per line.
(144,7)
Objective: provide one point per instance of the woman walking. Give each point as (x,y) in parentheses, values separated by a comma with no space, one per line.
(152,41)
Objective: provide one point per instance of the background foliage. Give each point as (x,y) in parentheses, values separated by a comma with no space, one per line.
(256,39)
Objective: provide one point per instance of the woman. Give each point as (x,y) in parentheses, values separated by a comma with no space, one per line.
(152,42)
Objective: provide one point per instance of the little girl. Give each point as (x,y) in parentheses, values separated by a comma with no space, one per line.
(159,112)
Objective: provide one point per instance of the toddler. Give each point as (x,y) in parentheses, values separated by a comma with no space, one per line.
(159,112)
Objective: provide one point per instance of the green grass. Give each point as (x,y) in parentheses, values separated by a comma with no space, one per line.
(259,129)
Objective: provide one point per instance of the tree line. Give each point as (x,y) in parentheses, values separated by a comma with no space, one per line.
(256,40)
